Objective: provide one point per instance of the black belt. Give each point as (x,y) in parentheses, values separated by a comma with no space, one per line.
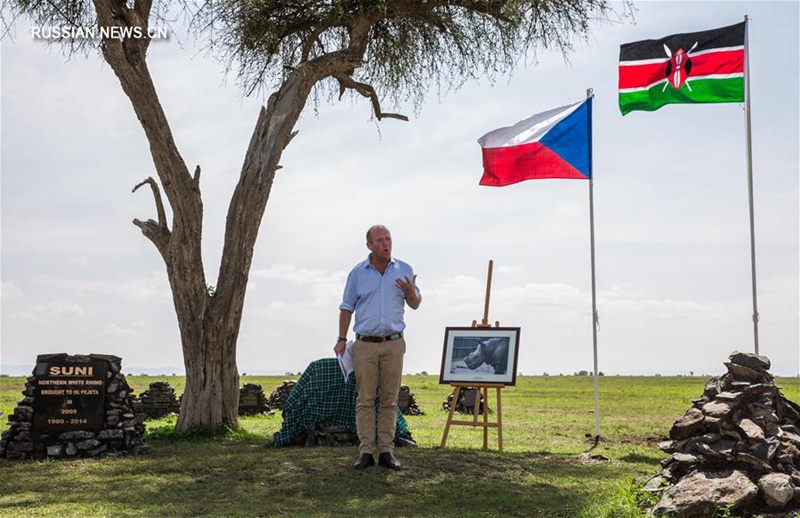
(378,339)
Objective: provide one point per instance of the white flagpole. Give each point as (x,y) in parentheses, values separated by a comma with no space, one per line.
(595,320)
(748,136)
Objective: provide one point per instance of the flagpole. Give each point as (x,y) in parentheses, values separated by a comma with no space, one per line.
(595,319)
(748,136)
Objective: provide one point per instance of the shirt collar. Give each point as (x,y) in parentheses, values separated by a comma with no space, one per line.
(368,264)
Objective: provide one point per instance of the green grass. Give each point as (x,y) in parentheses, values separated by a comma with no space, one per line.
(539,473)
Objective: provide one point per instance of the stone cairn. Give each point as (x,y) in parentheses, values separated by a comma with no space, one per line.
(278,397)
(466,401)
(252,400)
(159,400)
(406,402)
(325,436)
(122,429)
(737,446)
(340,436)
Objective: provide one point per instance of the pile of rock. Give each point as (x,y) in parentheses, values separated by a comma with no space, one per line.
(737,446)
(252,400)
(325,436)
(406,402)
(159,400)
(341,436)
(122,429)
(278,397)
(467,397)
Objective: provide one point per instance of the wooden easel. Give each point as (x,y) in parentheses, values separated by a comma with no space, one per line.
(483,389)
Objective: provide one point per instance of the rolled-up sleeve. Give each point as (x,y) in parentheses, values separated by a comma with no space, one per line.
(350,296)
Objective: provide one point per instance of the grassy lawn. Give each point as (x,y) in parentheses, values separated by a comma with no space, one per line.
(539,473)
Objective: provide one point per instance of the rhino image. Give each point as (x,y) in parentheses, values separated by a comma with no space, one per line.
(493,352)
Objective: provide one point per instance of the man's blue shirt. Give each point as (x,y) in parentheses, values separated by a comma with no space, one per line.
(377,302)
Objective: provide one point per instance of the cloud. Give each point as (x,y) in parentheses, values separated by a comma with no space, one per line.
(58,308)
(154,286)
(135,330)
(556,297)
(456,294)
(295,274)
(10,292)
(323,286)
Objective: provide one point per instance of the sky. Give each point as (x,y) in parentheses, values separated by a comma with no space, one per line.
(672,235)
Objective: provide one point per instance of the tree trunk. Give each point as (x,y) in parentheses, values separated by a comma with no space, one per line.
(209,321)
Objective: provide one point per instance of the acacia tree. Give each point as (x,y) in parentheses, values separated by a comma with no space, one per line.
(300,48)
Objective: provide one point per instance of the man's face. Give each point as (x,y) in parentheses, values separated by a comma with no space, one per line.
(381,245)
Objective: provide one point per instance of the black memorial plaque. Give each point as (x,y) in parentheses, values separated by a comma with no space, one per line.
(69,396)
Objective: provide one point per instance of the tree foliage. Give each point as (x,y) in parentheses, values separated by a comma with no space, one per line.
(401,48)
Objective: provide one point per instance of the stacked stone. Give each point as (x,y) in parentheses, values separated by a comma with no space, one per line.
(738,446)
(466,400)
(159,400)
(325,436)
(122,432)
(406,402)
(340,436)
(278,397)
(252,400)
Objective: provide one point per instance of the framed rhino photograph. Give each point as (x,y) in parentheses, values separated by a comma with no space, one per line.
(480,355)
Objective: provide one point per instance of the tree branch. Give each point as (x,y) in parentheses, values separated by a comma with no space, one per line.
(345,82)
(312,39)
(162,218)
(155,231)
(143,8)
(196,177)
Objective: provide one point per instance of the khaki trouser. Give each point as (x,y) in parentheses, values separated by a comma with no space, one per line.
(377,366)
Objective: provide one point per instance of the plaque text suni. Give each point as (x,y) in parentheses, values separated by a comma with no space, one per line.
(69,396)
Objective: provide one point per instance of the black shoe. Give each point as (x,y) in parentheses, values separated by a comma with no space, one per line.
(388,460)
(364,461)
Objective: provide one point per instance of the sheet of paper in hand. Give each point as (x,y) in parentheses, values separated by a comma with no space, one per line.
(346,360)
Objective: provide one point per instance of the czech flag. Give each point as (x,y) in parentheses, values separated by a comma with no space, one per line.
(552,144)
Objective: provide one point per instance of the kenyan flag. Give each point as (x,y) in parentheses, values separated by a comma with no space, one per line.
(699,67)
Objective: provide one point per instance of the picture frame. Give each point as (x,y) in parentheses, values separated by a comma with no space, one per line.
(480,355)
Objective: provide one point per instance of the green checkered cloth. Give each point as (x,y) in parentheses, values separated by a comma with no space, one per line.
(321,398)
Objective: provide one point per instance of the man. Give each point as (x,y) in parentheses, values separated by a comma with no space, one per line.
(377,290)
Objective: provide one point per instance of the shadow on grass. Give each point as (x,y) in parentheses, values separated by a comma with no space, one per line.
(654,459)
(247,479)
